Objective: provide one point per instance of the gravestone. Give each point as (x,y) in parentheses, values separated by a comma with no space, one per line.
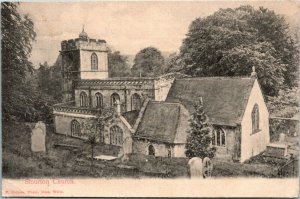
(276,150)
(207,167)
(38,136)
(196,167)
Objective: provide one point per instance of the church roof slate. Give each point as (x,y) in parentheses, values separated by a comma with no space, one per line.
(160,122)
(224,98)
(131,116)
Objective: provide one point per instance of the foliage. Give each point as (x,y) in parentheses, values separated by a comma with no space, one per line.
(286,104)
(199,136)
(276,127)
(231,41)
(49,79)
(17,34)
(172,63)
(117,65)
(92,140)
(31,104)
(148,63)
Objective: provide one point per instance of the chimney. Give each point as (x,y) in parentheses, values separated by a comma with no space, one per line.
(253,74)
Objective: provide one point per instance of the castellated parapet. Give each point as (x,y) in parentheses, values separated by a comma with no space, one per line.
(84,44)
(83,58)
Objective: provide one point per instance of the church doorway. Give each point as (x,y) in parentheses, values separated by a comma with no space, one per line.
(151,150)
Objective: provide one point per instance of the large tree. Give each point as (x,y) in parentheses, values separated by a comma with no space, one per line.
(286,104)
(49,79)
(17,35)
(200,134)
(148,63)
(117,64)
(231,41)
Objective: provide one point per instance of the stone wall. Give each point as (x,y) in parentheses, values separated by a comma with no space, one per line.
(62,122)
(76,62)
(63,125)
(227,152)
(161,149)
(124,92)
(85,65)
(162,87)
(254,143)
(141,147)
(179,150)
(112,122)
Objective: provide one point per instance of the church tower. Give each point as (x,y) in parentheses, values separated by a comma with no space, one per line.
(82,58)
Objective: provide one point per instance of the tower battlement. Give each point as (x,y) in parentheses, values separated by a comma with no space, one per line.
(83,44)
(82,58)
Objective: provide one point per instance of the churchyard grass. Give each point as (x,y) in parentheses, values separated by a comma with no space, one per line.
(19,162)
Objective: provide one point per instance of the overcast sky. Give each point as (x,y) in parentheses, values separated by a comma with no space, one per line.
(127,26)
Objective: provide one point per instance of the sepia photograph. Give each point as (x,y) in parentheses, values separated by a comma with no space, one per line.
(150,98)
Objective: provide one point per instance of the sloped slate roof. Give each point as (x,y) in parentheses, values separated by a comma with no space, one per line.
(131,116)
(160,121)
(224,98)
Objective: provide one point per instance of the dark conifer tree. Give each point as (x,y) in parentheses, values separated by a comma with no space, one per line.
(199,136)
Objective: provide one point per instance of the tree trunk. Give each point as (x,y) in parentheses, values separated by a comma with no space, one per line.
(92,156)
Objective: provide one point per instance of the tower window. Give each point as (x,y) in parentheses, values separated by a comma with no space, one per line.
(94,62)
(255,119)
(83,99)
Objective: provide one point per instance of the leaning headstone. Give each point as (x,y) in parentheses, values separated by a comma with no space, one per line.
(38,136)
(281,137)
(195,165)
(207,167)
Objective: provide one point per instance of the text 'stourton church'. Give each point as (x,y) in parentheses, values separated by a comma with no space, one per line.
(151,115)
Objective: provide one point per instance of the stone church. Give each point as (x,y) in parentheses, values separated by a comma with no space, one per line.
(151,115)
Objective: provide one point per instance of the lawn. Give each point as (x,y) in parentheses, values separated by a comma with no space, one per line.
(20,162)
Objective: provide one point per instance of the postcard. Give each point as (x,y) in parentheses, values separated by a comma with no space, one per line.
(150,98)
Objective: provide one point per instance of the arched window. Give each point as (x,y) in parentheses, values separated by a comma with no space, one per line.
(151,150)
(94,61)
(114,98)
(255,119)
(136,102)
(99,100)
(83,99)
(100,131)
(75,128)
(218,137)
(116,136)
